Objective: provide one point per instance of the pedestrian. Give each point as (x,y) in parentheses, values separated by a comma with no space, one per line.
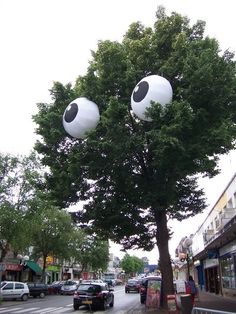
(191,288)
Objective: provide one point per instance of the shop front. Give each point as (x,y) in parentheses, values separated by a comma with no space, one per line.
(228,269)
(12,271)
(212,277)
(67,273)
(53,273)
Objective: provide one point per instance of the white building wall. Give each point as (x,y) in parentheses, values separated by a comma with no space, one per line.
(221,213)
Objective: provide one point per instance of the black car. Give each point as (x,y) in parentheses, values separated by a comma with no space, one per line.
(132,285)
(144,286)
(94,295)
(37,289)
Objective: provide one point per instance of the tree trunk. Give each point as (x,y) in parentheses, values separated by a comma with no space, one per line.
(162,238)
(43,277)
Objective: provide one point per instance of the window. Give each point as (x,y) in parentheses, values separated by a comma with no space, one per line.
(228,271)
(217,222)
(230,204)
(235,199)
(19,286)
(9,286)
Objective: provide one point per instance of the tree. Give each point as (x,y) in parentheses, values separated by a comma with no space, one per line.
(92,253)
(131,264)
(19,176)
(52,230)
(137,175)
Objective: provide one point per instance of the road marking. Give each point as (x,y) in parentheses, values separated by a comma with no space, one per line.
(44,309)
(5,310)
(51,310)
(64,310)
(25,310)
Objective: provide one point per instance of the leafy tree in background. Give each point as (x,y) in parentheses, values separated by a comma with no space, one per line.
(19,178)
(52,230)
(137,175)
(131,264)
(92,253)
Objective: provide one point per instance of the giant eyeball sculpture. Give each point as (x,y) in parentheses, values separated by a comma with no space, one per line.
(80,116)
(151,88)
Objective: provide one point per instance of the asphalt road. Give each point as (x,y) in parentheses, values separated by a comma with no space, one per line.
(64,304)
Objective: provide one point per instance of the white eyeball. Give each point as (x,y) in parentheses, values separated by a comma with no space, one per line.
(151,88)
(80,116)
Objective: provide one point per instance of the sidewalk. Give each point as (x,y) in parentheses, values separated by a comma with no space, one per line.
(216,302)
(206,300)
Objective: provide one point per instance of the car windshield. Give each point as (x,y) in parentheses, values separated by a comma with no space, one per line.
(69,283)
(56,283)
(2,284)
(89,288)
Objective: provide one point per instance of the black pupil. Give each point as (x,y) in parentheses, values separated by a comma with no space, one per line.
(71,113)
(141,92)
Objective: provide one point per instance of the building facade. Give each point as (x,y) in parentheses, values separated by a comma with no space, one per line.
(213,249)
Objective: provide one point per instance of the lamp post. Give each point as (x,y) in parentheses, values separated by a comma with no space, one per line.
(186,245)
(22,261)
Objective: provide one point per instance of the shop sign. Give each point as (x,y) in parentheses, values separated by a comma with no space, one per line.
(230,247)
(153,294)
(49,260)
(211,263)
(171,304)
(13,267)
(180,286)
(53,268)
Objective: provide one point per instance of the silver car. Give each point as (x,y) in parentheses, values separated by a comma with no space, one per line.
(14,290)
(69,287)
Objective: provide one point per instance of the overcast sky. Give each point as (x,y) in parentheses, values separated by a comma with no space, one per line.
(50,40)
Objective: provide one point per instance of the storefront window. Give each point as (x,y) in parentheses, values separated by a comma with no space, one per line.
(228,264)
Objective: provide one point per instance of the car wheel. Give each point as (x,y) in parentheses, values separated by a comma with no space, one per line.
(42,295)
(103,305)
(126,291)
(76,307)
(24,297)
(112,303)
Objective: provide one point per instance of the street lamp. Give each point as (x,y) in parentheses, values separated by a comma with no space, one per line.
(186,245)
(23,262)
(22,259)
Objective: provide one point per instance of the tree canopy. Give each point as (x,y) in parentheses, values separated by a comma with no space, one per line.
(135,174)
(19,178)
(131,264)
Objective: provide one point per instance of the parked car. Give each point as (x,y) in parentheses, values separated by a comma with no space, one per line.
(144,286)
(92,280)
(37,289)
(132,285)
(95,295)
(55,287)
(14,290)
(119,282)
(69,287)
(110,282)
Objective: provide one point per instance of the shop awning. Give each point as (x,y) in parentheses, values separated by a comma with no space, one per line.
(35,267)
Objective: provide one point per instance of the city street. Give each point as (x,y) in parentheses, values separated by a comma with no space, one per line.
(64,304)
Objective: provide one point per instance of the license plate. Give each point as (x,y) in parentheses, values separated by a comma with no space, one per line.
(86,302)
